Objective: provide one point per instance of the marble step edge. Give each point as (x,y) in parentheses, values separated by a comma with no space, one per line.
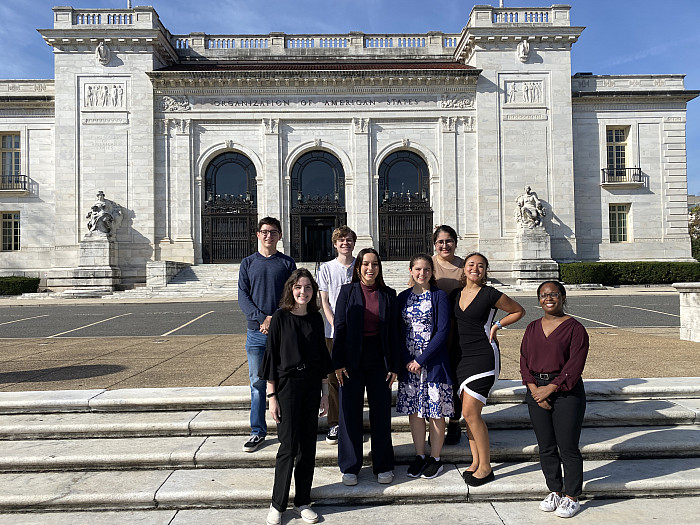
(177,398)
(212,488)
(236,421)
(226,451)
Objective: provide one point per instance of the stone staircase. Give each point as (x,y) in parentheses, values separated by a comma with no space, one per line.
(179,448)
(221,280)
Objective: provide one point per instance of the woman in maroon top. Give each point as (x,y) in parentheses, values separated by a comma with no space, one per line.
(365,357)
(552,356)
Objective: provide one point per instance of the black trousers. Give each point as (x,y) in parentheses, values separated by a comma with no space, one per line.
(370,375)
(297,430)
(558,432)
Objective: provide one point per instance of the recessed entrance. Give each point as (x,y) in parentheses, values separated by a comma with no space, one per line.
(317,196)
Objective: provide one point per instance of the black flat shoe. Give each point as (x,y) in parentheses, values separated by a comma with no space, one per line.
(477,482)
(467,476)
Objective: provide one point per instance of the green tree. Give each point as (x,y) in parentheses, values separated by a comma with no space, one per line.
(694,231)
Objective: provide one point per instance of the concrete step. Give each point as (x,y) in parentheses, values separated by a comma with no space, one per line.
(198,398)
(678,510)
(226,451)
(235,421)
(245,487)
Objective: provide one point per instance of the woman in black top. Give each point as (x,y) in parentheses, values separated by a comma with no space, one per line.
(478,362)
(296,366)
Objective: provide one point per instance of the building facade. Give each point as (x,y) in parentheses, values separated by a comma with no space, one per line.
(197,136)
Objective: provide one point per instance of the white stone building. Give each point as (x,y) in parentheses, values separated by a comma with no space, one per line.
(197,136)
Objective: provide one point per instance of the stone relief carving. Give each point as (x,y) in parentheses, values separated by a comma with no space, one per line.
(524,92)
(317,142)
(103,54)
(168,103)
(457,102)
(523,50)
(468,124)
(183,125)
(448,123)
(104,96)
(229,144)
(105,216)
(529,210)
(405,142)
(361,124)
(271,125)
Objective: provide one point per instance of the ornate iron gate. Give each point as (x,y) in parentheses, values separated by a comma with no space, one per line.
(228,230)
(405,228)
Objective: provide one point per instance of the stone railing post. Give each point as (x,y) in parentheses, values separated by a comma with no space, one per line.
(690,310)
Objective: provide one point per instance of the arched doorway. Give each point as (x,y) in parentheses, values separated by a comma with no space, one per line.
(317,205)
(405,215)
(229,213)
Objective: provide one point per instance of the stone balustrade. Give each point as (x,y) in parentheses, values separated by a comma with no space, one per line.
(137,18)
(221,46)
(690,310)
(483,16)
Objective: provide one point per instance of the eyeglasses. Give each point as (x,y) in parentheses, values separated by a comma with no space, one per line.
(445,242)
(265,233)
(551,295)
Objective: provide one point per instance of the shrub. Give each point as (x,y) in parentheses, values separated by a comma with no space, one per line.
(18,285)
(615,273)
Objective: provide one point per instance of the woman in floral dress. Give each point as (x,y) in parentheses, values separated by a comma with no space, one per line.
(425,387)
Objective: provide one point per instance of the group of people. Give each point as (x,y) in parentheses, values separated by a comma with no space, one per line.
(438,338)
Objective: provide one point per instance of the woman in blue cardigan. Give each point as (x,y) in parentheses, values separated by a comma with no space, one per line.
(365,357)
(425,390)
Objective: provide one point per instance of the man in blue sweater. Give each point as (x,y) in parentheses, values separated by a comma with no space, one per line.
(260,282)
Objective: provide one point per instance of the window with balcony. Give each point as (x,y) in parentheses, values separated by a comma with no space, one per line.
(617,171)
(619,222)
(10,176)
(9,239)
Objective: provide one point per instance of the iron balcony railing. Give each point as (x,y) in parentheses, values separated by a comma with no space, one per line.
(612,175)
(14,182)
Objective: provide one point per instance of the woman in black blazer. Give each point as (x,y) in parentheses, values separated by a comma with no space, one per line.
(365,356)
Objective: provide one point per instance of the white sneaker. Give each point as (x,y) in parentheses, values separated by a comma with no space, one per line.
(385,477)
(551,502)
(274,517)
(567,508)
(307,513)
(349,479)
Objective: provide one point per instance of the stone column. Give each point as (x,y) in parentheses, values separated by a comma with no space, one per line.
(360,195)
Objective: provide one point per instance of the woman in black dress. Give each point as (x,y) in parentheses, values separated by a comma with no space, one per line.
(478,364)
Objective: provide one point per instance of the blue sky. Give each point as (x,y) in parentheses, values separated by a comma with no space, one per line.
(621,36)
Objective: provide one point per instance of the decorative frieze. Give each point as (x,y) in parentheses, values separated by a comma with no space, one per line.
(168,103)
(453,102)
(525,116)
(104,96)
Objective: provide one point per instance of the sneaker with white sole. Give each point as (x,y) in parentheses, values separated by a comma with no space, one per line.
(332,436)
(551,502)
(274,517)
(416,467)
(433,468)
(385,477)
(567,508)
(349,479)
(253,443)
(306,513)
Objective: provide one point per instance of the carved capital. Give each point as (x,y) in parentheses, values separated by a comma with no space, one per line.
(361,124)
(271,126)
(182,126)
(468,124)
(448,124)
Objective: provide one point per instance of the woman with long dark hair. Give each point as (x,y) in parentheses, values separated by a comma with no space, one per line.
(478,362)
(552,357)
(296,366)
(365,357)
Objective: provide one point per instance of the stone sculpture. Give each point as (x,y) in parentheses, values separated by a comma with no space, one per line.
(523,50)
(103,53)
(529,211)
(105,216)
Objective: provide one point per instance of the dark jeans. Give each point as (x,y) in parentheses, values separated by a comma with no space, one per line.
(371,375)
(558,431)
(332,391)
(298,398)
